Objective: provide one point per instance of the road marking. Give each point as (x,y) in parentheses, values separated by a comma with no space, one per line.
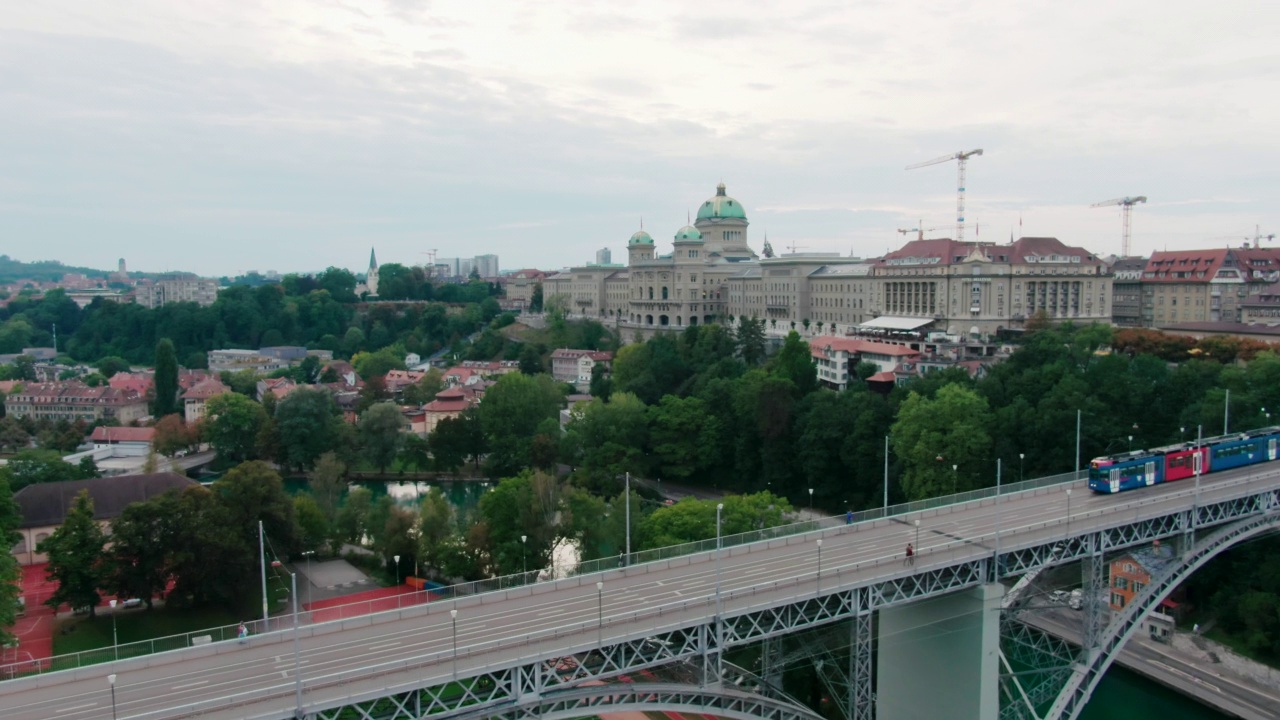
(77,707)
(383,646)
(190,685)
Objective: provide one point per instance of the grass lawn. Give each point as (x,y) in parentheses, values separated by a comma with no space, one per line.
(134,625)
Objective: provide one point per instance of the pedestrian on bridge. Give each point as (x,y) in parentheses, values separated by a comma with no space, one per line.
(911,556)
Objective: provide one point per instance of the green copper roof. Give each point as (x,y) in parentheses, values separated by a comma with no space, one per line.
(688,233)
(721,206)
(641,238)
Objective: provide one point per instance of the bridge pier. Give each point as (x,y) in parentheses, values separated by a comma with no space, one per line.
(939,658)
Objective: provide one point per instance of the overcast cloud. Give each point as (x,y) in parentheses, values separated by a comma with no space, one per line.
(220,137)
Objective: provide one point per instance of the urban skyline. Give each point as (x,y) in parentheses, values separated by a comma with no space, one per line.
(252,137)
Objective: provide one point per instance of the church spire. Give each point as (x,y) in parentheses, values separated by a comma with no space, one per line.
(373,259)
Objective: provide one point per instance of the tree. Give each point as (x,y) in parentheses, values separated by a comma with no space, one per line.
(75,552)
(933,435)
(111,365)
(353,518)
(435,527)
(313,525)
(685,435)
(795,363)
(692,519)
(530,360)
(606,440)
(328,480)
(10,571)
(142,537)
(371,364)
(373,392)
(601,383)
(457,440)
(380,437)
(172,435)
(252,492)
(535,301)
(751,341)
(212,561)
(426,389)
(232,424)
(308,423)
(416,453)
(166,380)
(510,415)
(12,435)
(29,467)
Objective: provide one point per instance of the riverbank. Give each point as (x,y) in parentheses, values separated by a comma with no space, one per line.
(1190,665)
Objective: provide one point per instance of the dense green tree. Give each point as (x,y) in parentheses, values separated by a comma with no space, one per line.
(340,283)
(142,537)
(166,380)
(943,442)
(426,389)
(436,526)
(605,440)
(693,519)
(530,360)
(111,365)
(213,561)
(380,434)
(455,441)
(328,480)
(173,435)
(379,363)
(313,525)
(535,302)
(12,435)
(309,424)
(601,384)
(75,552)
(10,571)
(353,518)
(29,467)
(685,436)
(795,363)
(416,452)
(525,505)
(232,426)
(751,341)
(510,414)
(252,492)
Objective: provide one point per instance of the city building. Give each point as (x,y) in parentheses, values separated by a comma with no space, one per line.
(233,360)
(73,400)
(43,507)
(176,288)
(1126,291)
(1181,286)
(1132,571)
(195,399)
(108,435)
(85,297)
(604,256)
(486,266)
(575,366)
(448,403)
(837,358)
(969,289)
(520,286)
(369,287)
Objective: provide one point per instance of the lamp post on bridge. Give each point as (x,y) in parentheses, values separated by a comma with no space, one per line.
(600,613)
(453,616)
(111,680)
(115,639)
(1068,512)
(524,547)
(396,558)
(719,508)
(819,575)
(955,472)
(307,554)
(810,501)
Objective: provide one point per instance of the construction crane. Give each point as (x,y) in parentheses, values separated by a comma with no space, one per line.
(961,158)
(919,229)
(1258,237)
(1126,207)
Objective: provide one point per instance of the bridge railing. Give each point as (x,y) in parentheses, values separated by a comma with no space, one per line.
(505,582)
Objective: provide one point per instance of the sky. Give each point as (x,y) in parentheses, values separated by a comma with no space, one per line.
(291,135)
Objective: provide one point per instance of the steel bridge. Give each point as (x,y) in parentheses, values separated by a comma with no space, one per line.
(614,640)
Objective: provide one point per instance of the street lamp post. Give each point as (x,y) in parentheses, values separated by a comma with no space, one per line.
(1130,443)
(600,613)
(626,494)
(1197,464)
(1226,414)
(955,471)
(719,508)
(917,523)
(886,474)
(1022,475)
(453,616)
(262,559)
(297,656)
(1068,512)
(396,558)
(810,501)
(115,639)
(524,555)
(111,680)
(819,575)
(307,554)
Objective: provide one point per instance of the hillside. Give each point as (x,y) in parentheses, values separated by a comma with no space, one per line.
(12,270)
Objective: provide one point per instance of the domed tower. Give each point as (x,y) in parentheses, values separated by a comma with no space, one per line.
(688,245)
(722,222)
(639,247)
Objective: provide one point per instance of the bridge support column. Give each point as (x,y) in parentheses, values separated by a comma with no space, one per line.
(771,662)
(939,658)
(861,695)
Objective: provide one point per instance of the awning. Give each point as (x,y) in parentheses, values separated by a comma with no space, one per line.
(888,322)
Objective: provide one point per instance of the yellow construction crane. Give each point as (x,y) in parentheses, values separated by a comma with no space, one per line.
(1126,207)
(919,230)
(961,158)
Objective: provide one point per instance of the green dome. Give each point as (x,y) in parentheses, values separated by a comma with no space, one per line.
(721,206)
(640,238)
(688,233)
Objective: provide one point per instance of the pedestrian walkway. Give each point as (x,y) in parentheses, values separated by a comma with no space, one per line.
(370,601)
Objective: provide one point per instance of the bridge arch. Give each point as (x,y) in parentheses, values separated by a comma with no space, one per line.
(649,697)
(1087,673)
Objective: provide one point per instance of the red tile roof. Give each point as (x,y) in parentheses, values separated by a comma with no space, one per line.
(106,434)
(205,389)
(818,346)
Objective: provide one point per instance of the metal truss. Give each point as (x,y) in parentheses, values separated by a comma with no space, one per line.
(1089,671)
(1050,659)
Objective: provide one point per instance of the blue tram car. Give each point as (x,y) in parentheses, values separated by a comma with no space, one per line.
(1141,468)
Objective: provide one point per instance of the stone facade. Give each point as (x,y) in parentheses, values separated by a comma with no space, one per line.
(73,400)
